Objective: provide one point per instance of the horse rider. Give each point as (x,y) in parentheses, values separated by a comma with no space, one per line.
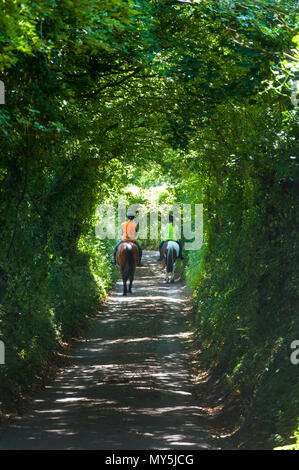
(129,234)
(170,232)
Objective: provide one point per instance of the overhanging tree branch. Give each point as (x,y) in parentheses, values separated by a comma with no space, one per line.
(110,85)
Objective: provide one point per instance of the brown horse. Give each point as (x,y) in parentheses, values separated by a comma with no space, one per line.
(169,254)
(127,257)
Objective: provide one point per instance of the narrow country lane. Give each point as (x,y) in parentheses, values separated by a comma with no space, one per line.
(127,386)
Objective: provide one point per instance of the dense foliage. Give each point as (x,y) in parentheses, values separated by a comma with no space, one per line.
(58,161)
(241,164)
(103,94)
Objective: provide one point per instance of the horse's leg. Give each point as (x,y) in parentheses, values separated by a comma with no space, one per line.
(125,290)
(130,285)
(172,273)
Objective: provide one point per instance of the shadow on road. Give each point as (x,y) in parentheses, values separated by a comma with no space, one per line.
(127,385)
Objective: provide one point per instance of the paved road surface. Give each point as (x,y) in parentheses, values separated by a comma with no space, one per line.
(127,386)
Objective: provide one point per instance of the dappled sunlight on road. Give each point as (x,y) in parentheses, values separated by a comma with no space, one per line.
(127,385)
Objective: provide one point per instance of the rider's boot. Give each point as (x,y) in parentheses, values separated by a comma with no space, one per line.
(160,249)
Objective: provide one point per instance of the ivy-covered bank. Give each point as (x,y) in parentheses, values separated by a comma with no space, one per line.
(43,314)
(244,278)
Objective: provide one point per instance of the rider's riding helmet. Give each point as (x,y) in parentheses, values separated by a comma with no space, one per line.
(170,218)
(131,215)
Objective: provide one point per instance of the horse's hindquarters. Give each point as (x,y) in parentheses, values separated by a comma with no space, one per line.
(127,258)
(170,254)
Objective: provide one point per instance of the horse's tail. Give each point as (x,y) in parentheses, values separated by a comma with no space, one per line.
(130,261)
(169,259)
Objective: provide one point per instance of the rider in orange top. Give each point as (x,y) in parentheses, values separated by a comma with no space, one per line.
(129,234)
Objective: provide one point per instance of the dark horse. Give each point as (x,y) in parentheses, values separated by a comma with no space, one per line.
(169,253)
(127,257)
